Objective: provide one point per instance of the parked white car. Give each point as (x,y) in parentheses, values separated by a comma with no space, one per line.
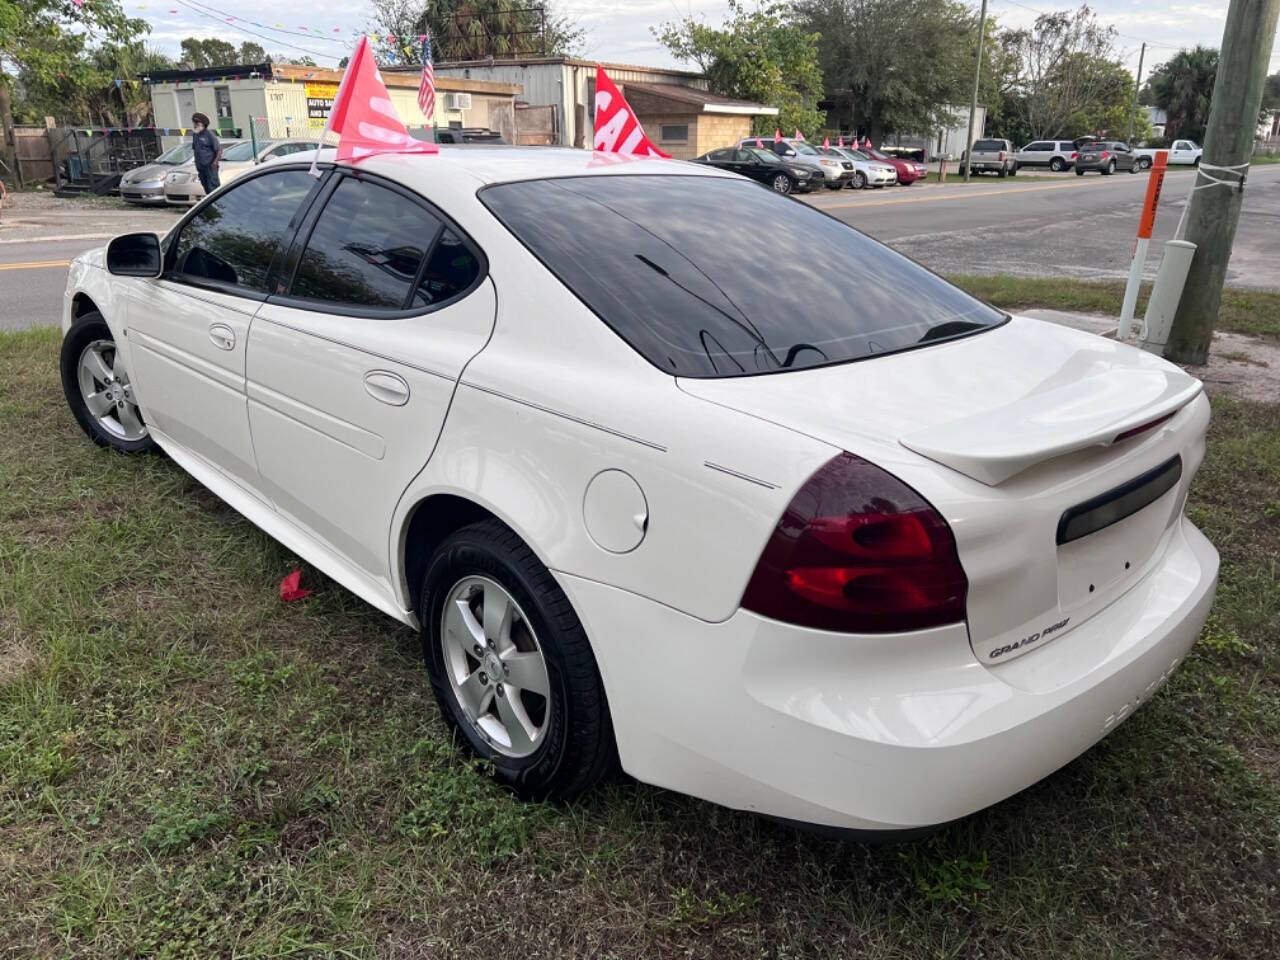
(1181,153)
(670,470)
(1057,155)
(182,187)
(866,172)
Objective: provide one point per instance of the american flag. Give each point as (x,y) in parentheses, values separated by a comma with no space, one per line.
(427,89)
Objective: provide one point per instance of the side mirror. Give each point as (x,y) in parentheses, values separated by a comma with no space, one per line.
(135,255)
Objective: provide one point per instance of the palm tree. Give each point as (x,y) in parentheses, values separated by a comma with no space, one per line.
(1183,88)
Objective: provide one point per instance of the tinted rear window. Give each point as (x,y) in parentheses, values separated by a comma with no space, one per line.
(664,261)
(988,145)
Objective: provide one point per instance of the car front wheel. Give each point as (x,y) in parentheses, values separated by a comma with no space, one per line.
(511,666)
(782,183)
(1144,162)
(859,180)
(98,388)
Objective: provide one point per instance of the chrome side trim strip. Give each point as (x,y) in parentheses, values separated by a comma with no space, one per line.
(741,476)
(567,416)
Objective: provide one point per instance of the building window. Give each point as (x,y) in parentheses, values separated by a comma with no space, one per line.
(674,133)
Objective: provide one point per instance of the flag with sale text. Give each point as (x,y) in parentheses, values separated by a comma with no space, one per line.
(617,129)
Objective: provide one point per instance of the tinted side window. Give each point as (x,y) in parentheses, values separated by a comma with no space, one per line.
(451,270)
(661,260)
(234,239)
(723,154)
(366,248)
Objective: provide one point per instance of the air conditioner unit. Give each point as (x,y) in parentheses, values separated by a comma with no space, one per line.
(457,101)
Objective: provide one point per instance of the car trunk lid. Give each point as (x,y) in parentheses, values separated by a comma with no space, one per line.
(1030,420)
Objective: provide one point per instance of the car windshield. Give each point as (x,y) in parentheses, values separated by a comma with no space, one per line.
(175,155)
(238,152)
(662,260)
(803,148)
(768,156)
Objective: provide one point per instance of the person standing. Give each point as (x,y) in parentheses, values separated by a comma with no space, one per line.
(208,151)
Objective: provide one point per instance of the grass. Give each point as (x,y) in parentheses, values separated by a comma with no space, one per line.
(1255,312)
(189,768)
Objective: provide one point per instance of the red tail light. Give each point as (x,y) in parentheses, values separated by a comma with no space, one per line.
(1001,154)
(859,551)
(1074,154)
(1105,154)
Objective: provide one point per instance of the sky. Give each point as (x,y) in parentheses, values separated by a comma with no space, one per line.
(618,30)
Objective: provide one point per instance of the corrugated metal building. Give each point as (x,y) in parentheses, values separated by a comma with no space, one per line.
(283,100)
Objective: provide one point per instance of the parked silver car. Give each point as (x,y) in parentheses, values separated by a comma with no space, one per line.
(993,155)
(146,184)
(836,171)
(1057,155)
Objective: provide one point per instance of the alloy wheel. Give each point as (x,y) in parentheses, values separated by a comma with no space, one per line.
(495,666)
(107,392)
(782,183)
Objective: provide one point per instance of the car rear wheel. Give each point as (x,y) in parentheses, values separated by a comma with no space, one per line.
(1144,163)
(1079,172)
(1110,168)
(1002,172)
(859,180)
(782,183)
(511,666)
(98,388)
(1056,165)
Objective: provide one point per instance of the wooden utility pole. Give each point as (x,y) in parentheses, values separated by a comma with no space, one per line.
(973,101)
(1219,184)
(1137,85)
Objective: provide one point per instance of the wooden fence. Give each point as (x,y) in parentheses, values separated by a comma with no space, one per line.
(35,158)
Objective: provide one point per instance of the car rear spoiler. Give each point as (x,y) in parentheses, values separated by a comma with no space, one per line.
(1093,411)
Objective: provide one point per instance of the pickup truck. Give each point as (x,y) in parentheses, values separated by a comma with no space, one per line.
(994,155)
(1181,152)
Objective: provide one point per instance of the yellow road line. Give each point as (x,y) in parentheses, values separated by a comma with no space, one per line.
(34,265)
(967,192)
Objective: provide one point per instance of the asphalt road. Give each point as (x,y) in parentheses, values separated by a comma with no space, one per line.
(1054,225)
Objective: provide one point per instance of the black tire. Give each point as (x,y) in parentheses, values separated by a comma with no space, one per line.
(1002,172)
(1056,165)
(1144,162)
(1109,169)
(782,184)
(578,748)
(859,180)
(1079,172)
(1013,171)
(835,186)
(89,328)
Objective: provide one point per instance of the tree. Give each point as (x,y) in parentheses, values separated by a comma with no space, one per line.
(1271,93)
(251,52)
(199,54)
(1063,70)
(44,41)
(897,64)
(1108,114)
(104,87)
(1183,87)
(473,29)
(756,55)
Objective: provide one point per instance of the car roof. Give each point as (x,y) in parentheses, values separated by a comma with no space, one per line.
(497,163)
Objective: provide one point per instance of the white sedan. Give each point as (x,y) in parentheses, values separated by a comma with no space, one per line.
(794,526)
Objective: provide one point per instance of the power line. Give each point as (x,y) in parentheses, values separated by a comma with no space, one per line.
(261,36)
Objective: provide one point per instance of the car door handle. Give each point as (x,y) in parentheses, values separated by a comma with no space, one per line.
(223,337)
(387,387)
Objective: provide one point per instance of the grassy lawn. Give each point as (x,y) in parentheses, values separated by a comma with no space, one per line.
(1255,312)
(189,768)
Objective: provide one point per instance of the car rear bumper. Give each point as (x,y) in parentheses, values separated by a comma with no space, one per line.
(878,733)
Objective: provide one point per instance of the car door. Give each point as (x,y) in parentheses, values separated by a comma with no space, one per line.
(1124,156)
(189,328)
(1034,154)
(1183,152)
(353,362)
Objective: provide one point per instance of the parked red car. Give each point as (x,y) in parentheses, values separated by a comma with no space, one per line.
(909,171)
